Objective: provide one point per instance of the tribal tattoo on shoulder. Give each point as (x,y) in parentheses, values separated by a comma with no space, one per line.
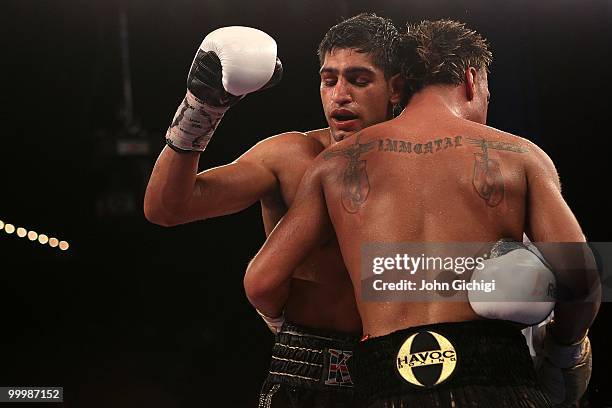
(355,184)
(488,180)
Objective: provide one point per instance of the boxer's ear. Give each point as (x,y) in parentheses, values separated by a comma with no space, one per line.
(470,83)
(397,84)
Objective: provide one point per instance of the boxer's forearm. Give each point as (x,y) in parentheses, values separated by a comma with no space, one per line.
(573,319)
(267,281)
(271,303)
(170,187)
(579,290)
(305,227)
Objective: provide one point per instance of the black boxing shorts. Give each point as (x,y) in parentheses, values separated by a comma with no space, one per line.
(483,363)
(310,368)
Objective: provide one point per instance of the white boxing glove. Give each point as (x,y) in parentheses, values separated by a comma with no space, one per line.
(231,62)
(247,56)
(524,285)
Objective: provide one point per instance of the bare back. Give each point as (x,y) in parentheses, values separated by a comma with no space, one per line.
(439,180)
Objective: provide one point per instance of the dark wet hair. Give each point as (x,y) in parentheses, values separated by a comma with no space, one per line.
(366,33)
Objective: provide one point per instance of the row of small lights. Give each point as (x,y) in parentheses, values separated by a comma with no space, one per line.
(34,236)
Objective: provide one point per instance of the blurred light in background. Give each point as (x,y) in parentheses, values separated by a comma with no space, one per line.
(33,236)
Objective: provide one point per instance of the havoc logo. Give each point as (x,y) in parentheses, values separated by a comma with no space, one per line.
(339,374)
(426,359)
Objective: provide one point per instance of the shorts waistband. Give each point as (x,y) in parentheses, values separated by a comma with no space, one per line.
(312,359)
(481,352)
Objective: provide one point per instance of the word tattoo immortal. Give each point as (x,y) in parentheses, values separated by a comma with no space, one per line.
(404,146)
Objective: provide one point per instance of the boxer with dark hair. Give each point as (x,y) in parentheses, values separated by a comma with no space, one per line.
(360,86)
(437,174)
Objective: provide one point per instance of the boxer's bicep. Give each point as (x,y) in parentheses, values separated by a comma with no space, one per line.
(549,218)
(305,227)
(177,194)
(256,174)
(230,188)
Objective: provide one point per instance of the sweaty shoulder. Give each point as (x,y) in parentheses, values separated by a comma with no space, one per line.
(540,165)
(536,162)
(473,130)
(284,147)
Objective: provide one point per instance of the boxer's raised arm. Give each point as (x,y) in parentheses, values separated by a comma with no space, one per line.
(230,63)
(177,195)
(305,227)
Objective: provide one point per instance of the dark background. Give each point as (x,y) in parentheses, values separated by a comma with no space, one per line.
(138,315)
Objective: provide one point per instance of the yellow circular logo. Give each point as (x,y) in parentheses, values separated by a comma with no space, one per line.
(426,359)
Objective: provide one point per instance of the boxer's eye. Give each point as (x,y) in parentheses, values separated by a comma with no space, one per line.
(328,81)
(360,81)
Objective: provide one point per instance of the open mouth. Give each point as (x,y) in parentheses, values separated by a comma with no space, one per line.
(343,115)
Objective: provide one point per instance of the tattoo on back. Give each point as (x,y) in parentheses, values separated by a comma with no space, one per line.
(488,180)
(432,146)
(355,184)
